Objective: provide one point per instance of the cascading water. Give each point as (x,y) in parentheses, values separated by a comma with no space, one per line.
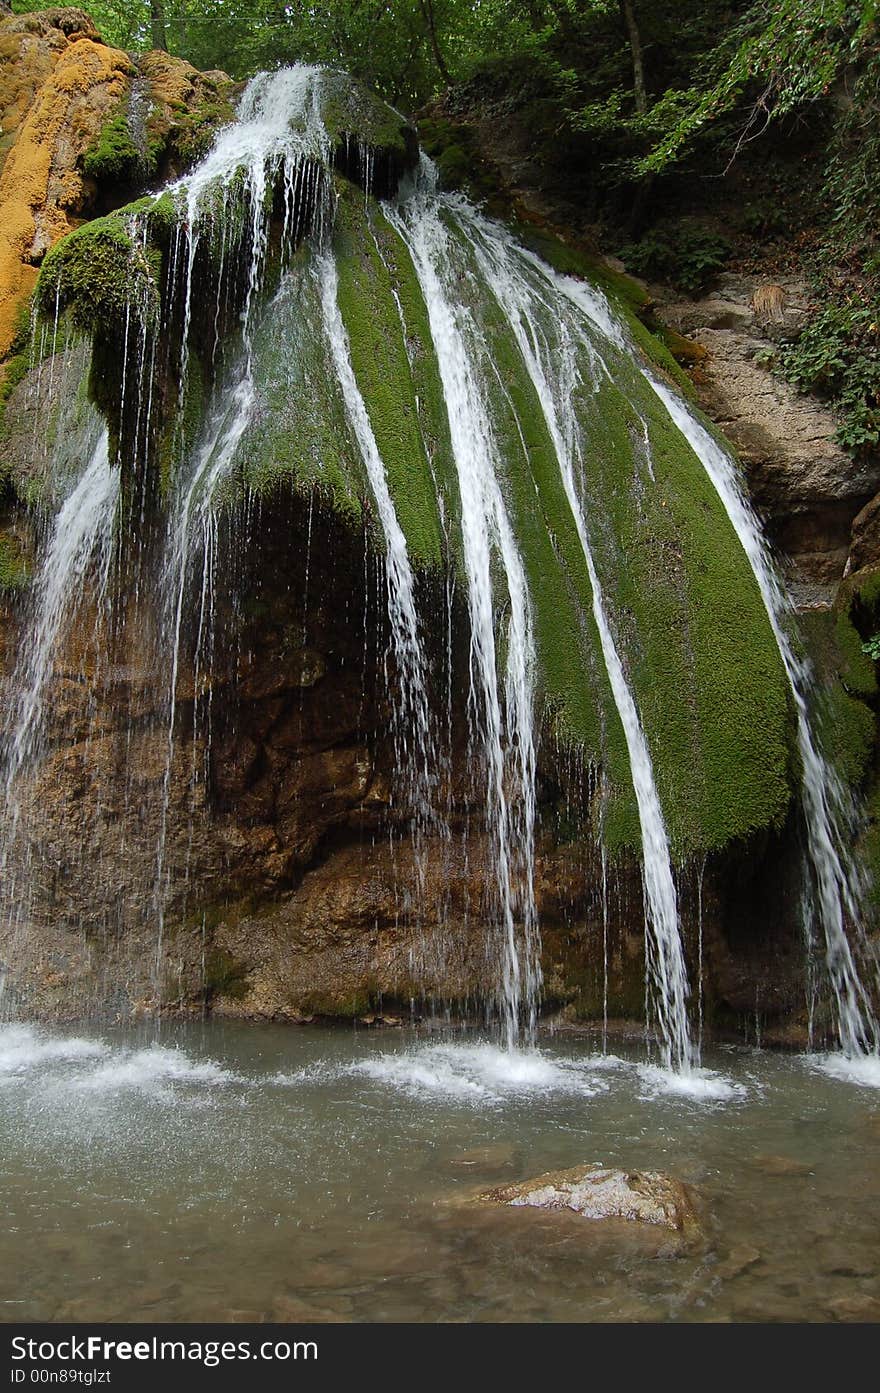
(486,531)
(78,552)
(414,722)
(511,368)
(547,327)
(81,537)
(827,822)
(278,136)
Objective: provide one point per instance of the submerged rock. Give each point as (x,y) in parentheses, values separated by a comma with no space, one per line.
(780,1165)
(598,1192)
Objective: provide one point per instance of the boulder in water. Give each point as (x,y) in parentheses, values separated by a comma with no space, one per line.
(600,1192)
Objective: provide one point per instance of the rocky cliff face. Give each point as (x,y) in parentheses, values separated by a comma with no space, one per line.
(80,122)
(802,482)
(293,886)
(252,857)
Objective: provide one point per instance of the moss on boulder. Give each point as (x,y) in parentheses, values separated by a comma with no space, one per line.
(98,273)
(364,247)
(373,144)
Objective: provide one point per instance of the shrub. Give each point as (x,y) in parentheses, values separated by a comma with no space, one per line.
(837,355)
(688,255)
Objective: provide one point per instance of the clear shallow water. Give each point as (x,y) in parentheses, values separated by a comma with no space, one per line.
(223,1172)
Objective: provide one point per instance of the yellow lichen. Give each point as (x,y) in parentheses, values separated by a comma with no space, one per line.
(75,81)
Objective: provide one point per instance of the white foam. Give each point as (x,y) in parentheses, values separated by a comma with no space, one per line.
(697,1085)
(321,1071)
(71,1064)
(152,1069)
(478,1073)
(25,1047)
(862,1070)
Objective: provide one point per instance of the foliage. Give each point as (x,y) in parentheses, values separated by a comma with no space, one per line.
(777,58)
(871,646)
(837,355)
(407,50)
(688,255)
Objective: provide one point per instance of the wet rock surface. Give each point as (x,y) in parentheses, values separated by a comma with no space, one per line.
(598,1193)
(289,868)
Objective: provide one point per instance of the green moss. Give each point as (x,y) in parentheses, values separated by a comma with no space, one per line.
(14,569)
(691,625)
(225,975)
(436,134)
(681,599)
(300,435)
(630,298)
(97,272)
(869,845)
(382,368)
(845,686)
(351,111)
(424,373)
(14,371)
(193,133)
(455,167)
(115,157)
(574,680)
(656,352)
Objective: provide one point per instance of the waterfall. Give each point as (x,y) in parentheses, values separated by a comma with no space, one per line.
(529,301)
(517,452)
(82,534)
(413,721)
(487,532)
(79,550)
(279,134)
(826,821)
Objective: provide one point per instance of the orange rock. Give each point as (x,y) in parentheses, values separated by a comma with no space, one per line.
(65,84)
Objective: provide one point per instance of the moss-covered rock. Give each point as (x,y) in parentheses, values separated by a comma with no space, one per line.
(373,144)
(682,602)
(100,273)
(186,108)
(14,564)
(372,264)
(629,297)
(115,158)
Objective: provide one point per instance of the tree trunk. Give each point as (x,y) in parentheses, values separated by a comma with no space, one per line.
(428,11)
(635,44)
(157,25)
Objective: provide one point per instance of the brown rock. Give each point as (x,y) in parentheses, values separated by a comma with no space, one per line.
(858,1307)
(738,1260)
(597,1192)
(780,1165)
(63,84)
(865,540)
(803,483)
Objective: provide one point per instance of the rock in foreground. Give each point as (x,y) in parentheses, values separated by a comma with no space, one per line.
(597,1192)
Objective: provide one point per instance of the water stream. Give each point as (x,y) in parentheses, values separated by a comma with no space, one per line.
(828,821)
(506,725)
(547,327)
(254,1171)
